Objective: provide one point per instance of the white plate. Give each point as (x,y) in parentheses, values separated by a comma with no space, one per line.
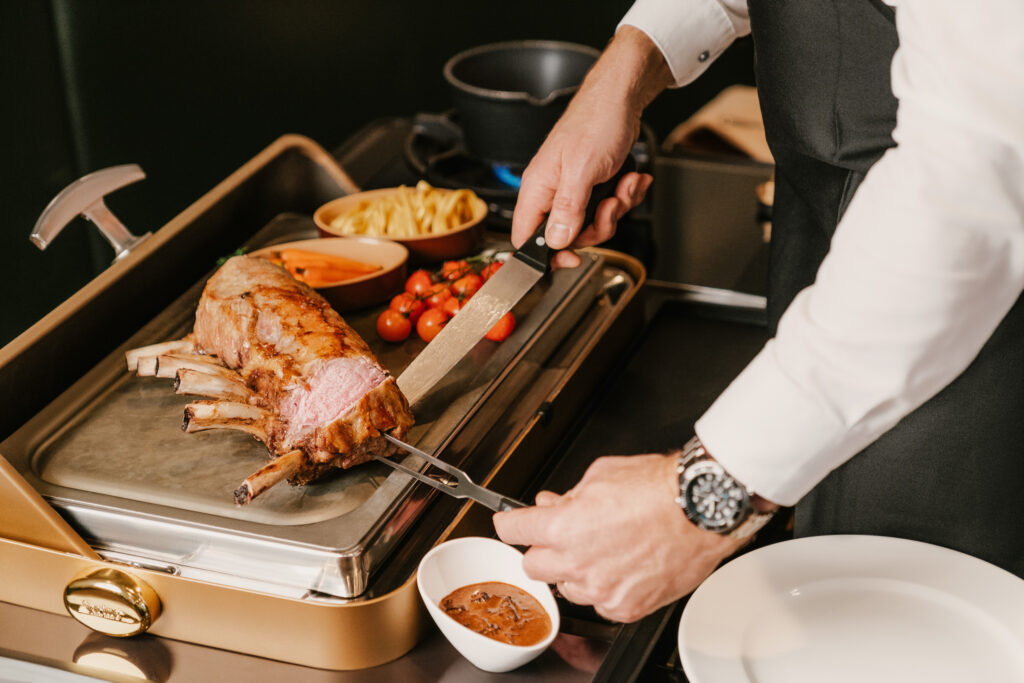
(854,608)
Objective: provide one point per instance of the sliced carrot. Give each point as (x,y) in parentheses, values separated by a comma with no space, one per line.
(316,276)
(302,257)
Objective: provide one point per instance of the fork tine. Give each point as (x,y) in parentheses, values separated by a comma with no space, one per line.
(464,487)
(436,462)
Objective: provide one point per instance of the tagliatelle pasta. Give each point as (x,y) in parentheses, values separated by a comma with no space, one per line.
(408,212)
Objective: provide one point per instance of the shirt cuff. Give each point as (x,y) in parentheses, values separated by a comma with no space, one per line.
(689,34)
(787,422)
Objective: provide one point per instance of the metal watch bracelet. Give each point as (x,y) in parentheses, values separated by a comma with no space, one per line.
(693,451)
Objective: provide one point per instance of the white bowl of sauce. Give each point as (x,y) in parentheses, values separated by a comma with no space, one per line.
(484,603)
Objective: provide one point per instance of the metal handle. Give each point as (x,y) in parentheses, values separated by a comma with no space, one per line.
(507,504)
(85,197)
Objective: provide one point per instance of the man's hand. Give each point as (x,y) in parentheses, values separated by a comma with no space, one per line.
(617,540)
(588,145)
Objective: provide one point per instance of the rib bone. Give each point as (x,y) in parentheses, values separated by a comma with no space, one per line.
(191,381)
(275,471)
(132,356)
(146,366)
(168,364)
(202,415)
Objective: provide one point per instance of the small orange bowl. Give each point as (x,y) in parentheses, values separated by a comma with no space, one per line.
(462,240)
(364,290)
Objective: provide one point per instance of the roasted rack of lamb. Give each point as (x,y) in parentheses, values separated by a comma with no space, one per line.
(279,363)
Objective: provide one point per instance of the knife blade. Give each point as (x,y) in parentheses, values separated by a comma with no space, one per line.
(459,486)
(498,295)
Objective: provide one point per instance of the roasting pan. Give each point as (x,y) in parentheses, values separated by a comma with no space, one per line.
(311,565)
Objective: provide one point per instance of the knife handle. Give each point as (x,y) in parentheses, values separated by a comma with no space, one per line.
(536,253)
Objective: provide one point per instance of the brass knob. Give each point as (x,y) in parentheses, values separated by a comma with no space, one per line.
(112,602)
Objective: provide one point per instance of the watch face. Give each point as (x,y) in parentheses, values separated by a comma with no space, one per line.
(714,500)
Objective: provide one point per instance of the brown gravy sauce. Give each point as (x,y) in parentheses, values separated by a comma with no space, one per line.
(500,611)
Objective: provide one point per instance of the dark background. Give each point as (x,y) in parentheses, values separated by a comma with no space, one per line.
(190,90)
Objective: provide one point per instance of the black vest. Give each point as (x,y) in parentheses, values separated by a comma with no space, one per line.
(950,473)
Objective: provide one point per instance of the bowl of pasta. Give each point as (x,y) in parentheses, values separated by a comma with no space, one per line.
(434,224)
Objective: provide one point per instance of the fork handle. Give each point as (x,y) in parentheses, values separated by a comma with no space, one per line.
(507,504)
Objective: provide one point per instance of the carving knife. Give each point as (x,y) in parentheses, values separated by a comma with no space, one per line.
(496,298)
(459,485)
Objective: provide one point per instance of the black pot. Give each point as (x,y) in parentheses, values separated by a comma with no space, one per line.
(509,95)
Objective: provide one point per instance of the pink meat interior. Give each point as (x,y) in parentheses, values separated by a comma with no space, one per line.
(335,386)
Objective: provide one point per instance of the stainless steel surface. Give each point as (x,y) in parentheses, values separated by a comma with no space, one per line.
(706,224)
(460,486)
(496,298)
(85,196)
(110,456)
(712,295)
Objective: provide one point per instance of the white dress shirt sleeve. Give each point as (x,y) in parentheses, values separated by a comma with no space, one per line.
(924,265)
(690,33)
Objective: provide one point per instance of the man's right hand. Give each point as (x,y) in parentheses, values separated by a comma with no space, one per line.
(588,145)
(617,540)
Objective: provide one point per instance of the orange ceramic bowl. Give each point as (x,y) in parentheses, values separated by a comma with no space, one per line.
(460,241)
(365,290)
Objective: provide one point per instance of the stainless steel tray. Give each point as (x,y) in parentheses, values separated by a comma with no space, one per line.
(109,454)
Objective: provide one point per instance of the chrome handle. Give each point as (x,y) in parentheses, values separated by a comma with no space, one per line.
(85,197)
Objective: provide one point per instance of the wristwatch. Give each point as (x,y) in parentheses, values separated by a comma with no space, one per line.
(711,498)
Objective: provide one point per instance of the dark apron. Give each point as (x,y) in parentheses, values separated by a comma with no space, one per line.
(951,472)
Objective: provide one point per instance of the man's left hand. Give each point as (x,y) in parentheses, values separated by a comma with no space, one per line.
(617,540)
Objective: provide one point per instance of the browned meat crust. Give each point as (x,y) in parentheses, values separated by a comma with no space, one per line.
(316,386)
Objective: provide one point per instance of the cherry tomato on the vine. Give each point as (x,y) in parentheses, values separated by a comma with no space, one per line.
(430,323)
(408,305)
(392,326)
(452,306)
(438,295)
(467,285)
(503,328)
(453,270)
(490,269)
(419,283)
